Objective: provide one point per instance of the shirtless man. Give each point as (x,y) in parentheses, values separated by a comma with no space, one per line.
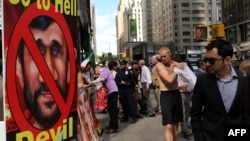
(170,98)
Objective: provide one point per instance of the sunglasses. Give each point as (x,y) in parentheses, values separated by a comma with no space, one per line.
(211,61)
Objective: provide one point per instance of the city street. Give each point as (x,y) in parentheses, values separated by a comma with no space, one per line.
(146,129)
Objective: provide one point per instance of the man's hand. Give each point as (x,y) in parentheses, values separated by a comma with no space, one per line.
(91,83)
(147,88)
(183,86)
(123,82)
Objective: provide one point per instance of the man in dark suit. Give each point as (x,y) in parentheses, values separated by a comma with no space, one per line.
(218,96)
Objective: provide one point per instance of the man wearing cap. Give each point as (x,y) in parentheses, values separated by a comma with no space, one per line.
(125,82)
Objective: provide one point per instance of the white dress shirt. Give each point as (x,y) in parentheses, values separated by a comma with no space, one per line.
(146,75)
(186,75)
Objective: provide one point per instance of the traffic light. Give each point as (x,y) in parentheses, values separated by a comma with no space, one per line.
(124,55)
(218,31)
(201,32)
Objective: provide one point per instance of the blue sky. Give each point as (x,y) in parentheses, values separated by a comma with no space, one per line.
(105,25)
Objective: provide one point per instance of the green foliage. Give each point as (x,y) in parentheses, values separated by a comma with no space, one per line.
(106,57)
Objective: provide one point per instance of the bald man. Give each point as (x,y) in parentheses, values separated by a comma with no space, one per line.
(170,98)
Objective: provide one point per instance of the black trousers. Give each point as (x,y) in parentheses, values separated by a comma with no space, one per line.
(113,110)
(128,102)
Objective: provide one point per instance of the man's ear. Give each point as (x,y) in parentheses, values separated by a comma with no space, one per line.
(228,60)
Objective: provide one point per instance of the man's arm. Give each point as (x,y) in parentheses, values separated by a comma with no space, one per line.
(148,78)
(131,78)
(99,79)
(148,75)
(166,74)
(102,77)
(196,110)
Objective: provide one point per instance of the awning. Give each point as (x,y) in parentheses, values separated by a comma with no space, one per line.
(132,44)
(244,46)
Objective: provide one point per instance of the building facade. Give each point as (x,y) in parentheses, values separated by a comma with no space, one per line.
(93,28)
(121,27)
(174,21)
(171,22)
(236,18)
(146,21)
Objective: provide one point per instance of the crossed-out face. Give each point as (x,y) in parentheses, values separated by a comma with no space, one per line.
(52,45)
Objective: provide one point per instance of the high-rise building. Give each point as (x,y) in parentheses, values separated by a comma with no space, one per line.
(174,21)
(93,28)
(134,12)
(139,12)
(168,22)
(1,15)
(121,27)
(236,18)
(146,21)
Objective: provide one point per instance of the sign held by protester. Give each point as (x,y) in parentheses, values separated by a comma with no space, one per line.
(40,69)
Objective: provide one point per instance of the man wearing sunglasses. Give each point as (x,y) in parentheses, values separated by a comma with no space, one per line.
(218,96)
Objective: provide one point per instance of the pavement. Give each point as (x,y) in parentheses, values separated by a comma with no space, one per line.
(146,129)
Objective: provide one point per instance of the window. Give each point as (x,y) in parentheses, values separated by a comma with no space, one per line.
(198,11)
(187,47)
(198,5)
(232,35)
(185,19)
(185,12)
(186,26)
(197,47)
(247,32)
(186,33)
(185,5)
(198,19)
(186,40)
(175,27)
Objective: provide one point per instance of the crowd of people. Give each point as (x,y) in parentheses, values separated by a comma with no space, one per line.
(128,88)
(201,102)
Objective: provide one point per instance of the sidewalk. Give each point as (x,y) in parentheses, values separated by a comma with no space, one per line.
(146,129)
